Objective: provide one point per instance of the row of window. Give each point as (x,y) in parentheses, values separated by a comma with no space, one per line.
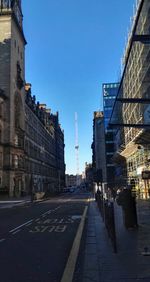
(35,123)
(112,85)
(40,153)
(136,161)
(42,140)
(40,169)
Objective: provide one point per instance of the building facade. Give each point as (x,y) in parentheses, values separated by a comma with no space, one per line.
(89,177)
(72,180)
(31,140)
(12,78)
(44,147)
(98,149)
(133,101)
(110,91)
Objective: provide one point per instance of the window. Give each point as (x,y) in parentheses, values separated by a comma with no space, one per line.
(0,135)
(1,159)
(15,161)
(16,140)
(1,109)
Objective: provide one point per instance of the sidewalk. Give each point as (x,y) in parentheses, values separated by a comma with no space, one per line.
(101,264)
(11,202)
(7,202)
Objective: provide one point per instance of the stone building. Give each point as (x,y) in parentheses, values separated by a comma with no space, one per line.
(73,180)
(44,147)
(98,148)
(12,77)
(31,146)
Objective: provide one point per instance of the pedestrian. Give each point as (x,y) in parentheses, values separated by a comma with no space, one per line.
(113,193)
(128,203)
(98,193)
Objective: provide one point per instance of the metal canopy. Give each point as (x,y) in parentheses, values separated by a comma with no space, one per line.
(143,38)
(116,119)
(140,126)
(133,100)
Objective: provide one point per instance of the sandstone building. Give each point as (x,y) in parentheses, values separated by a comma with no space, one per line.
(31,139)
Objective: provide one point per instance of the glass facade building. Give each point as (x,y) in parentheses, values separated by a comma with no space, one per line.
(110,91)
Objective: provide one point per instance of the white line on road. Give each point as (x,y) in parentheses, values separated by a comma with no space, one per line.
(43,214)
(37,219)
(20,226)
(29,224)
(49,211)
(16,232)
(2,240)
(70,266)
(57,208)
(30,221)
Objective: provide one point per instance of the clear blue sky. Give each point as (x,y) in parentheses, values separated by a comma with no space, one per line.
(73,47)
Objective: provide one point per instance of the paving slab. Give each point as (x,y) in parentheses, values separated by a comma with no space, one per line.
(101,264)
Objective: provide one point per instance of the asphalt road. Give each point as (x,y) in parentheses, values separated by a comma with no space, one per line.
(36,239)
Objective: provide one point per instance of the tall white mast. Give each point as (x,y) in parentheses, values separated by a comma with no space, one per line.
(77,149)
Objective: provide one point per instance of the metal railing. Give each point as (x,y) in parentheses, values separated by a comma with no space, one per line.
(106,208)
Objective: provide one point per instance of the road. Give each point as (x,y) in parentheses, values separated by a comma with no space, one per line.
(37,239)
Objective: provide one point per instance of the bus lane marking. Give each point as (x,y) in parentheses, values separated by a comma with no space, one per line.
(11,231)
(49,228)
(55,221)
(16,232)
(28,223)
(58,225)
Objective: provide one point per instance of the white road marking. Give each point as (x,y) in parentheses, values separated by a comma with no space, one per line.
(16,232)
(29,224)
(20,226)
(2,240)
(37,219)
(57,208)
(49,211)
